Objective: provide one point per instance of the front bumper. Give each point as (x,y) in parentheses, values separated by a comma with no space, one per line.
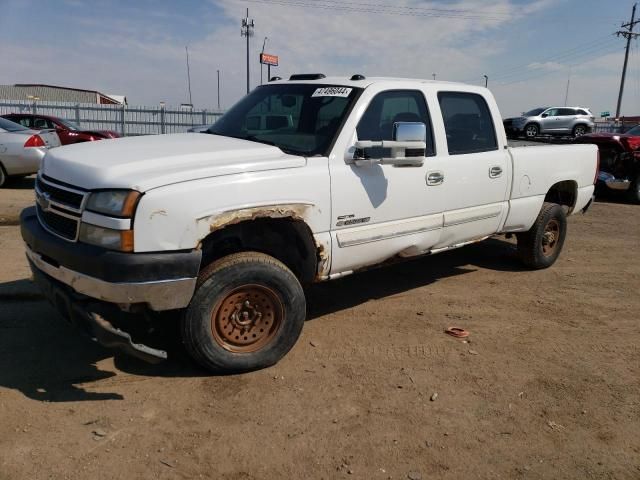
(90,316)
(163,281)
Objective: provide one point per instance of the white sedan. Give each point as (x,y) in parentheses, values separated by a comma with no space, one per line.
(22,149)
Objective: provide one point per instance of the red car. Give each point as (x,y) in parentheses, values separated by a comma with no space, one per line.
(68,131)
(619,161)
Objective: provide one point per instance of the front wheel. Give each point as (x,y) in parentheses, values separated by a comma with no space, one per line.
(531,130)
(247,312)
(541,245)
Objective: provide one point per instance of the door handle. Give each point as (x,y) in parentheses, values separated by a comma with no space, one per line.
(435,178)
(495,172)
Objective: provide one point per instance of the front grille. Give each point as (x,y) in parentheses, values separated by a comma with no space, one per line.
(59,208)
(63,226)
(60,195)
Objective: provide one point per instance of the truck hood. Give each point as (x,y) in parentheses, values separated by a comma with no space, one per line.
(143,163)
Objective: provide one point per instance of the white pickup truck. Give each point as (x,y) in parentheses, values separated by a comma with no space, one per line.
(229,225)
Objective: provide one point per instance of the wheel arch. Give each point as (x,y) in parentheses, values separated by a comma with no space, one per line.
(279,231)
(563,193)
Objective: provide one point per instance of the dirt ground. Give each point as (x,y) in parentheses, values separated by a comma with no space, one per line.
(548,386)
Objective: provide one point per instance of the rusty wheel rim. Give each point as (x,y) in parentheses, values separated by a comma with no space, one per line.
(247,318)
(550,237)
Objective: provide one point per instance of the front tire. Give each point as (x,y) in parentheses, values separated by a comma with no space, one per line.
(531,130)
(247,312)
(541,245)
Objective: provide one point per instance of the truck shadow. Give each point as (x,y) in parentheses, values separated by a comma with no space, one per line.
(47,359)
(380,282)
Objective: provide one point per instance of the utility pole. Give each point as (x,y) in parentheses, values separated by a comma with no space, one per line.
(186,48)
(486,81)
(247,31)
(628,34)
(218,90)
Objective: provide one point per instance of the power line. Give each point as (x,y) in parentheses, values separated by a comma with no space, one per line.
(512,77)
(543,72)
(361,7)
(577,50)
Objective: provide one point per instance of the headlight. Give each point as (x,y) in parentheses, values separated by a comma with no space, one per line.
(121,240)
(118,203)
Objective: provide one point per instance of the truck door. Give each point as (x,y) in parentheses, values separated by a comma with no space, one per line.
(477,172)
(382,211)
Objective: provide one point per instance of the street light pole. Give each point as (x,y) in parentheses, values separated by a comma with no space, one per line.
(263,44)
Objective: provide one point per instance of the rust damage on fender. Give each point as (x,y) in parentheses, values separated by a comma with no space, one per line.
(295,211)
(323,262)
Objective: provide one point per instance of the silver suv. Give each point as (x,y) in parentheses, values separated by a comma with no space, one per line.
(574,121)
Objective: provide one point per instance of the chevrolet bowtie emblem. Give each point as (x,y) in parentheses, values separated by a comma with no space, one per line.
(44,201)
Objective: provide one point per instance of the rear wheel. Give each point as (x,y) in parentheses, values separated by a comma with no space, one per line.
(579,130)
(247,313)
(542,244)
(531,130)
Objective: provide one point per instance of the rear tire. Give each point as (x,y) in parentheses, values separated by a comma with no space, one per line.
(579,130)
(541,245)
(247,312)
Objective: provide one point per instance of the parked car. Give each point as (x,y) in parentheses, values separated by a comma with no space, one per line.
(619,161)
(68,131)
(22,149)
(228,226)
(575,121)
(198,128)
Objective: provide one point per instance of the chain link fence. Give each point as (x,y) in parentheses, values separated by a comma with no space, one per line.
(124,119)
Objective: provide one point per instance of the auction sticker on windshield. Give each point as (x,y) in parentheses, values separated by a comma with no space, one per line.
(332,92)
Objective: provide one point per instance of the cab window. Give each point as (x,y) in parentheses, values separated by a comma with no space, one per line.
(391,107)
(467,122)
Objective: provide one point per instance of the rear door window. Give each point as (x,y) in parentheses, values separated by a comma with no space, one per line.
(468,123)
(566,112)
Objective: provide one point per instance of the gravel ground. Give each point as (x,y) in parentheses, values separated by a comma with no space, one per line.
(547,387)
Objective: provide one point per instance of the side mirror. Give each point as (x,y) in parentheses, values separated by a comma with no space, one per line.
(407,149)
(544,115)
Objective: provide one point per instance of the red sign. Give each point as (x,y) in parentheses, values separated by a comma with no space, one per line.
(268,59)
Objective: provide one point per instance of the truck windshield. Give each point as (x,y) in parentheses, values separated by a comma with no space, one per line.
(300,119)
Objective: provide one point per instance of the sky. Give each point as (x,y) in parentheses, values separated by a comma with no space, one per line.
(529,49)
